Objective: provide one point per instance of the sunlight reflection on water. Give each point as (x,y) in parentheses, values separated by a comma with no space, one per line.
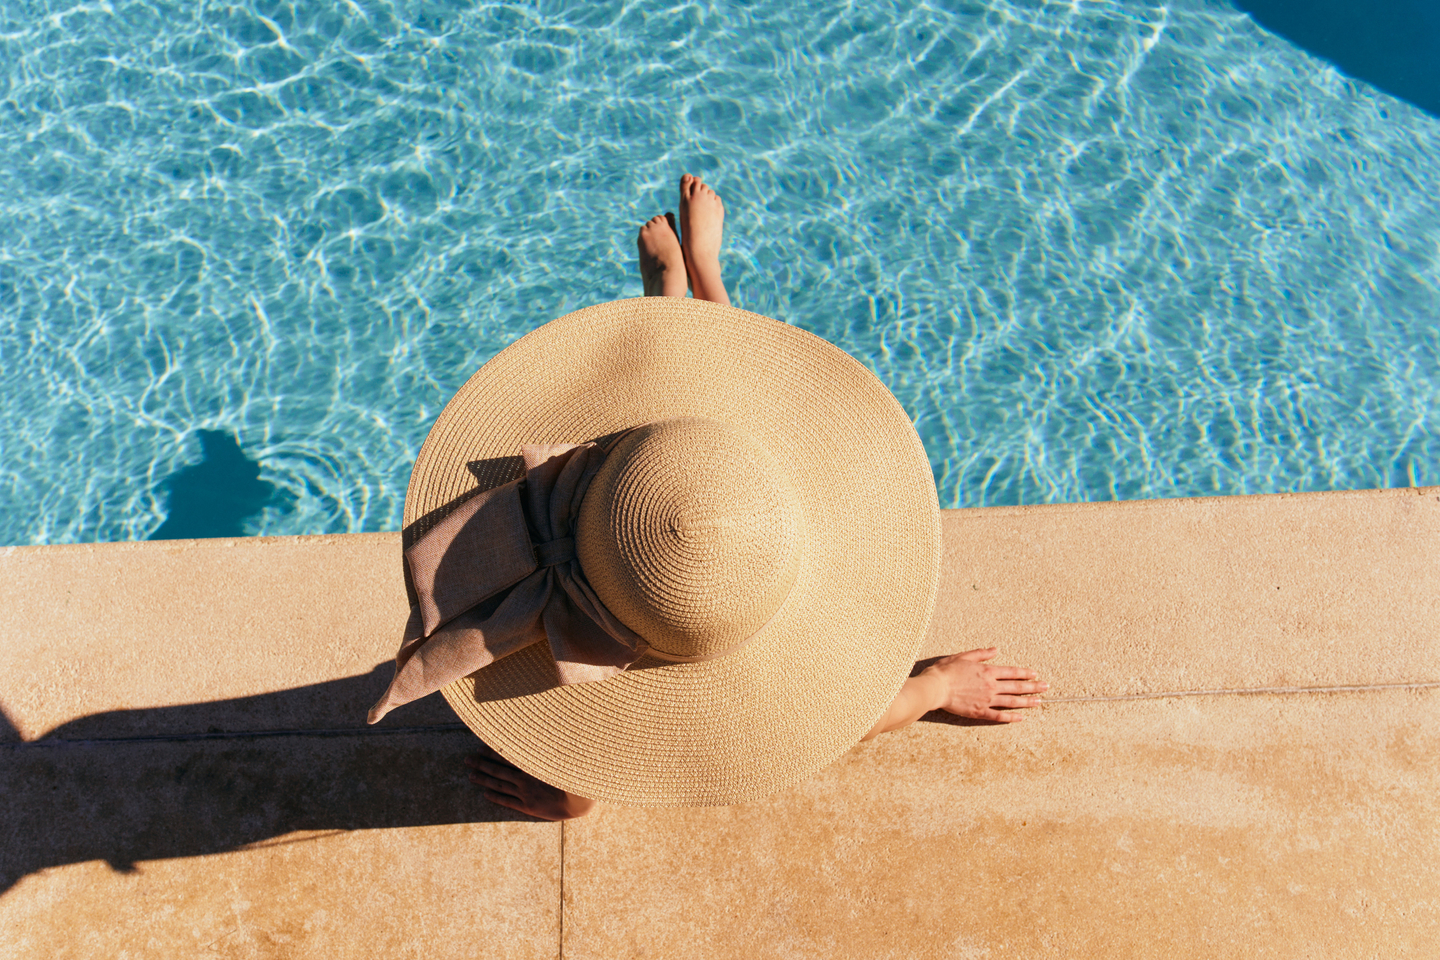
(1097,250)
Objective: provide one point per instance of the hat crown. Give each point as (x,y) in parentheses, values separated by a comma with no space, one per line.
(690,535)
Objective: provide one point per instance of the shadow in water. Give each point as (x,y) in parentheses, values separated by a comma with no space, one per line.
(128,786)
(1391,44)
(214,498)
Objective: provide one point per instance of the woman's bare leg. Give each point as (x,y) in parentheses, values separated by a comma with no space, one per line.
(702,219)
(662,264)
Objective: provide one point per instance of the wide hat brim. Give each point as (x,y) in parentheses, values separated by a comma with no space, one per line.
(824,668)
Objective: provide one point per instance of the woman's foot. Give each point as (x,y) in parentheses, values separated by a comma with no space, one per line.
(662,264)
(509,786)
(702,219)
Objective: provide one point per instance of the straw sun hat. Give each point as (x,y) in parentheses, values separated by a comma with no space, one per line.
(666,552)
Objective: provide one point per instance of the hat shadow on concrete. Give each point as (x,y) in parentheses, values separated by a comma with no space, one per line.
(127,786)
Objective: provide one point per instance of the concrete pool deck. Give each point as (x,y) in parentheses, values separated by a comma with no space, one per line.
(1239,756)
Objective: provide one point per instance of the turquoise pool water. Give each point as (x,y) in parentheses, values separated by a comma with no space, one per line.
(1098,250)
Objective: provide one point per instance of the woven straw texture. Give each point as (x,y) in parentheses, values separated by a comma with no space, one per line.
(689,535)
(823,668)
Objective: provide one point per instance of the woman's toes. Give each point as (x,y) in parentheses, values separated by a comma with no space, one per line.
(690,188)
(662,264)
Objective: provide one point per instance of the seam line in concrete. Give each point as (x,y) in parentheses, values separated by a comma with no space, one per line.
(560,953)
(1420,685)
(240,735)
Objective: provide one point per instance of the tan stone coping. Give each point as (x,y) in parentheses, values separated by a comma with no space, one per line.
(1238,757)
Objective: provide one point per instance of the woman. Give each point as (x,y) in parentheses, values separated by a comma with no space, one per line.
(723,529)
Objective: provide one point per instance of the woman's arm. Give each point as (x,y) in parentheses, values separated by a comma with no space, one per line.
(961,683)
(965,685)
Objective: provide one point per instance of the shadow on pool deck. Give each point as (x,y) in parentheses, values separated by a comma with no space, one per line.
(1391,44)
(1124,821)
(127,786)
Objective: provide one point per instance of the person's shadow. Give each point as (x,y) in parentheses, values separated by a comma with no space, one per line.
(128,786)
(216,497)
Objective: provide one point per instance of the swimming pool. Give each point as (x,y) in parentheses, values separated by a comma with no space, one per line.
(1098,250)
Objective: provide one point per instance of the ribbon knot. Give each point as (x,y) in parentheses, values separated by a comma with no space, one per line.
(555,552)
(494,577)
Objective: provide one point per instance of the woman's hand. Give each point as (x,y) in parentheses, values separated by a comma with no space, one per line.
(509,786)
(962,684)
(969,687)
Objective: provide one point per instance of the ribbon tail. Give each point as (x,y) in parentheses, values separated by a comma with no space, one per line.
(587,644)
(471,641)
(413,638)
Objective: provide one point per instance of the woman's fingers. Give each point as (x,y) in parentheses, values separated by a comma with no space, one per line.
(1002,700)
(1012,673)
(992,670)
(497,771)
(490,783)
(504,800)
(508,786)
(518,804)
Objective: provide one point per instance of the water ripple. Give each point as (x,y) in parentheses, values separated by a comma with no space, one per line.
(1100,250)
